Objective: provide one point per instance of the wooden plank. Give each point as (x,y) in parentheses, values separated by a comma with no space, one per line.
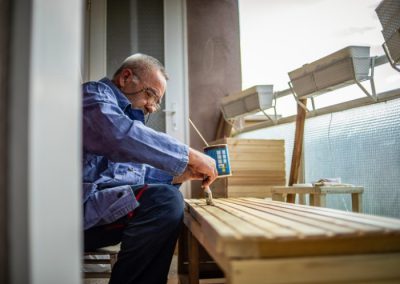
(332,222)
(267,156)
(246,229)
(257,165)
(246,149)
(249,194)
(264,142)
(302,230)
(215,227)
(329,227)
(249,188)
(258,173)
(375,268)
(271,229)
(256,181)
(378,221)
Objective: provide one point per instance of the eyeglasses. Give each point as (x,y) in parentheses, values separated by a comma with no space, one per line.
(151,94)
(152,97)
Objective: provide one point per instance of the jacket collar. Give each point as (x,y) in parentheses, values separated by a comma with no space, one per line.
(123,102)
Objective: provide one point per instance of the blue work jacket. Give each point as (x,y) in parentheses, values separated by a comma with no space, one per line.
(119,151)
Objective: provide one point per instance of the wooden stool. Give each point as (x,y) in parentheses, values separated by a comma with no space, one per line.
(318,194)
(110,251)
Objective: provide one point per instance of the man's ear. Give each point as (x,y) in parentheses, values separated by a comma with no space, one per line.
(135,79)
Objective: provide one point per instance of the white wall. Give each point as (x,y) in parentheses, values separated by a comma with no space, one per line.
(45,187)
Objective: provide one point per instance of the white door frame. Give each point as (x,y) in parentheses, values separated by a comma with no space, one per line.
(177,99)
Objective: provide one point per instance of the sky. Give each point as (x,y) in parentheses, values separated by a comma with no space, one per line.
(278,36)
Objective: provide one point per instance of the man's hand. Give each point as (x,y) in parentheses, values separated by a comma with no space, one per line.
(203,165)
(188,174)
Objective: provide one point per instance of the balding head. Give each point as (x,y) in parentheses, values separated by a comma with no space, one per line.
(142,65)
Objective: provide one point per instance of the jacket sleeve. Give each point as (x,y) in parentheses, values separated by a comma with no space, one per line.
(107,131)
(107,205)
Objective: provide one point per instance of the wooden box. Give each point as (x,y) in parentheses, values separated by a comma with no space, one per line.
(256,165)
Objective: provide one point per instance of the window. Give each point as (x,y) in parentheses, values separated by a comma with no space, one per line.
(360,145)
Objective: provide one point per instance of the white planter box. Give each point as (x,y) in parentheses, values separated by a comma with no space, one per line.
(388,13)
(246,102)
(336,70)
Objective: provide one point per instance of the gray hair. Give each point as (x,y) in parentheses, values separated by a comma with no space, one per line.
(141,64)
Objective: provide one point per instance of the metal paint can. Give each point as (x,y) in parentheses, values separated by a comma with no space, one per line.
(220,154)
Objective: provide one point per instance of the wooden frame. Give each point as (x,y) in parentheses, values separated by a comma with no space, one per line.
(318,194)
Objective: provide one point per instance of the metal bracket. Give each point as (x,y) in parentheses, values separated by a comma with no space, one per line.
(297,99)
(274,120)
(384,46)
(373,96)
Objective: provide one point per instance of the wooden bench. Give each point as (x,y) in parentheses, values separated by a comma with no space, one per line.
(103,256)
(259,241)
(318,194)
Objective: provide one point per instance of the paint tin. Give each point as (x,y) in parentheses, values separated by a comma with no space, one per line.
(221,156)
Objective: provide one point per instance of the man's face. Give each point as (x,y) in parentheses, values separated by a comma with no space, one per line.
(145,92)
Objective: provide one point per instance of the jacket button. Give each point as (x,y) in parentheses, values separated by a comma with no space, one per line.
(120,194)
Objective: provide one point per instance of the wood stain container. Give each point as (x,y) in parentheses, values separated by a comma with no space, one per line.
(220,154)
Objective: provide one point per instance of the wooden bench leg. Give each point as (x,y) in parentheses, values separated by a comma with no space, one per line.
(356,202)
(193,260)
(318,200)
(183,256)
(302,199)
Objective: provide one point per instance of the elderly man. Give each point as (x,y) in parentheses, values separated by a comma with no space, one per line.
(131,173)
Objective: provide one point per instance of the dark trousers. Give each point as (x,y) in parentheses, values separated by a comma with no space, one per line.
(147,237)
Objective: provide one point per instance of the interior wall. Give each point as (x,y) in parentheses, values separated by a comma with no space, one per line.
(4,51)
(213,63)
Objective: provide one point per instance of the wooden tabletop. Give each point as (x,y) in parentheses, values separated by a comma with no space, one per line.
(258,228)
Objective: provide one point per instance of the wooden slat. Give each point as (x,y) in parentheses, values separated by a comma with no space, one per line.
(258,173)
(358,269)
(250,188)
(246,149)
(303,230)
(271,229)
(216,227)
(252,142)
(330,229)
(331,224)
(257,165)
(255,181)
(381,222)
(248,194)
(247,229)
(269,156)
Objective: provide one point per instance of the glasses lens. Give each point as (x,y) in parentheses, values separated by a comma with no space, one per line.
(155,100)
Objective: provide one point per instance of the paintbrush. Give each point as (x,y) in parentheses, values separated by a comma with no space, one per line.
(209,198)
